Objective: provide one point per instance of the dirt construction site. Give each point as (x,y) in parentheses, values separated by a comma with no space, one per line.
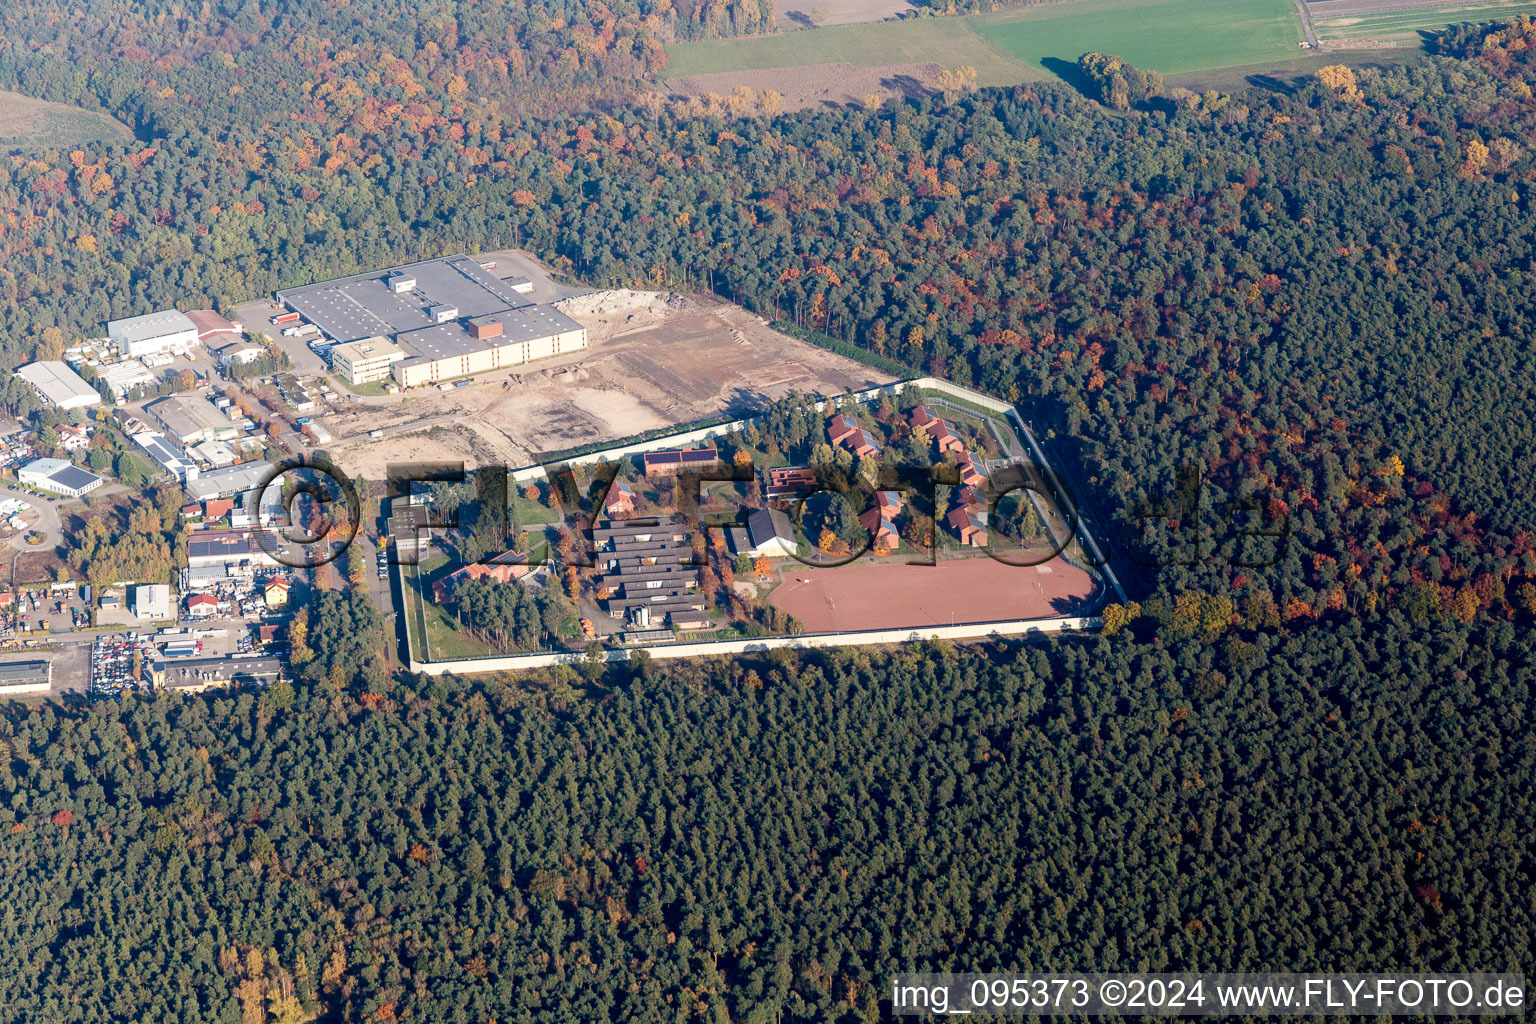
(654,359)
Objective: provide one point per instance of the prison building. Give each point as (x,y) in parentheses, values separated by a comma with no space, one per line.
(790,482)
(645,575)
(670,463)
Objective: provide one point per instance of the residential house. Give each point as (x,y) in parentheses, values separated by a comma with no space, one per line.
(863,444)
(967,527)
(275,594)
(217,508)
(972,473)
(840,428)
(622,500)
(972,498)
(202,606)
(882,528)
(73,437)
(938,430)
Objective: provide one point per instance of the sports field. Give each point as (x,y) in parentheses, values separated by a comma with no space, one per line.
(1340,20)
(892,595)
(1033,43)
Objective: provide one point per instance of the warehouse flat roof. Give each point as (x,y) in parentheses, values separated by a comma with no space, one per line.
(122,377)
(362,306)
(58,384)
(185,415)
(14,672)
(216,483)
(149,325)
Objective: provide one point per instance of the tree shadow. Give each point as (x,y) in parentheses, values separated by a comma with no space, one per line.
(909,86)
(800,18)
(741,402)
(1069,72)
(1269,83)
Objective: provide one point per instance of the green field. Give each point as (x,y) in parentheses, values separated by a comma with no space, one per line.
(26,122)
(1170,36)
(1404,26)
(945,41)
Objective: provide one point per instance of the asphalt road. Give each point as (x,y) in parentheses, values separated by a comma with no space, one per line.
(44,516)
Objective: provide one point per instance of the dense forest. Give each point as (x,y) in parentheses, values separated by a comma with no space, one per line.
(770,840)
(1280,339)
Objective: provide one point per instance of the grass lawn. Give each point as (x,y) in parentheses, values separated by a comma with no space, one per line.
(527,513)
(443,641)
(945,41)
(1169,36)
(1033,43)
(1405,26)
(25,121)
(372,389)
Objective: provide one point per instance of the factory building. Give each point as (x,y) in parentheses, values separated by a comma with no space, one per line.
(191,419)
(59,477)
(230,481)
(153,334)
(448,318)
(360,362)
(58,386)
(19,678)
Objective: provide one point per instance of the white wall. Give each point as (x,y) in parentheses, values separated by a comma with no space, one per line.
(514,662)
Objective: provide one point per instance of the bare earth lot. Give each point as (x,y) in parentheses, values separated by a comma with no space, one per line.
(890,595)
(832,85)
(655,360)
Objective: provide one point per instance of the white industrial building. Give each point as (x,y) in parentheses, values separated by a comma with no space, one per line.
(58,386)
(165,454)
(58,476)
(153,333)
(152,601)
(360,362)
(229,481)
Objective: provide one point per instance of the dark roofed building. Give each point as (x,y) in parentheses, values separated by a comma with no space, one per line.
(24,677)
(645,574)
(770,534)
(227,547)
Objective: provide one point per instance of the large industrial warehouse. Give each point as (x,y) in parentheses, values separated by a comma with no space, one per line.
(451,318)
(59,386)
